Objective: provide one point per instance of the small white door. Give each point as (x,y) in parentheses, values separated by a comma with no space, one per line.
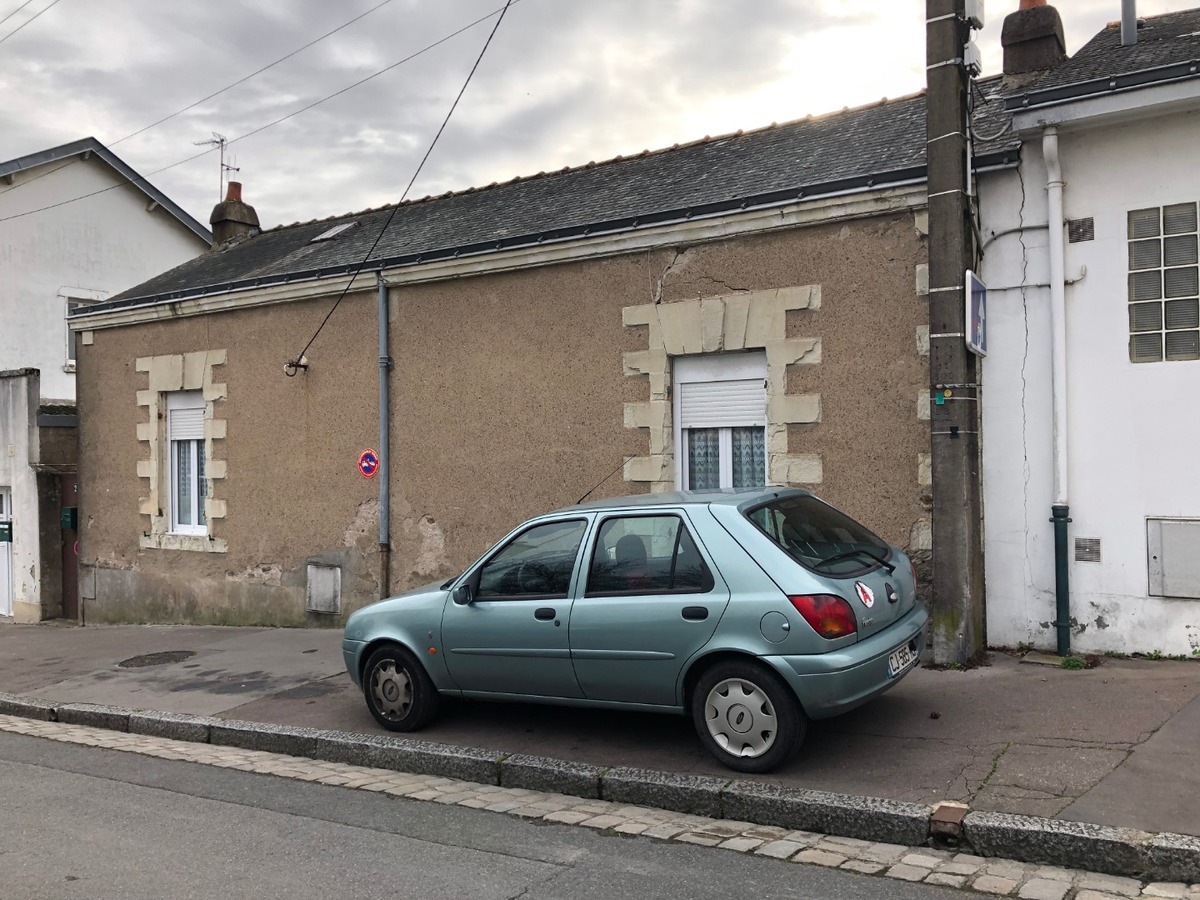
(6,586)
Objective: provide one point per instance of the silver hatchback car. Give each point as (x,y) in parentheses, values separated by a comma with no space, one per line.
(752,611)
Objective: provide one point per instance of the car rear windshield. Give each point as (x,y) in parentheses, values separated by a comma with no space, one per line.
(818,536)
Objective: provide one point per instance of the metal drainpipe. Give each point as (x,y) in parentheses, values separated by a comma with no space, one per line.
(385,367)
(1060,509)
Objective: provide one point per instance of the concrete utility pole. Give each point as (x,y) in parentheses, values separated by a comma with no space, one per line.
(958,624)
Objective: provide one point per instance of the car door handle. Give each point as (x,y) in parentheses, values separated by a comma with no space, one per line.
(544,614)
(695,613)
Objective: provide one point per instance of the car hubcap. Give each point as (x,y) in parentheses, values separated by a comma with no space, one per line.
(392,690)
(740,718)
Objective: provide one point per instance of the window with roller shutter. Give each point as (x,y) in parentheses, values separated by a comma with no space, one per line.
(186,462)
(721,416)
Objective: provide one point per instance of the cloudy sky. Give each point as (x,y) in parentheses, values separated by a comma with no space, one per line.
(563,82)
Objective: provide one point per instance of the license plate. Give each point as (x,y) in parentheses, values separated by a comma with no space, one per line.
(901,659)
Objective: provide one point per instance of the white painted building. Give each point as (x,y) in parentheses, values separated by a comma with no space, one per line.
(77,225)
(1124,124)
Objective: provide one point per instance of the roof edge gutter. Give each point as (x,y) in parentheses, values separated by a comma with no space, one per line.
(1110,84)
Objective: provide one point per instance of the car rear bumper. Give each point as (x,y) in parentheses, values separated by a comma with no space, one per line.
(829,684)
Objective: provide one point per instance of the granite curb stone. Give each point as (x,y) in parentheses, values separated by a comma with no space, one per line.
(1163,857)
(698,795)
(286,739)
(557,775)
(463,763)
(866,818)
(1174,857)
(1098,848)
(176,726)
(95,715)
(27,708)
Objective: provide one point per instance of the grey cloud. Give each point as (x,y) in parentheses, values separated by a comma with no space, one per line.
(564,82)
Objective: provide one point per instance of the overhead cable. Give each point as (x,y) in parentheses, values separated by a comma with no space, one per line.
(28,21)
(391,215)
(259,130)
(253,74)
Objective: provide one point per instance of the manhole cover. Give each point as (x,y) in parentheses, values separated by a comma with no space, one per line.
(156,659)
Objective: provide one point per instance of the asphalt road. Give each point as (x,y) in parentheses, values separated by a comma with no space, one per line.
(83,823)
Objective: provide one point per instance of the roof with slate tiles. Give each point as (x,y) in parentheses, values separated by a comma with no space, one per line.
(871,147)
(1167,49)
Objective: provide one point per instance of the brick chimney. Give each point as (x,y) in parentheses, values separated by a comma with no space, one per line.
(1033,42)
(232,219)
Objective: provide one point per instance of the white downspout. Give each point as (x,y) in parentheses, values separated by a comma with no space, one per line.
(1058,310)
(1059,511)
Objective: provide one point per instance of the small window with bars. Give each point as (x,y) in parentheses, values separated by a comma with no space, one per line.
(1164,284)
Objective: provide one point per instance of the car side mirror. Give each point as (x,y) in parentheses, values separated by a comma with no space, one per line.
(462,595)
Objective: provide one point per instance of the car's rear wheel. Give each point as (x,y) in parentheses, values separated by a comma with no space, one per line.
(747,717)
(399,692)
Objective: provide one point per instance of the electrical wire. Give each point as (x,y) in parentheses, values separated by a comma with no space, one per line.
(294,364)
(45,9)
(15,11)
(253,74)
(227,87)
(262,128)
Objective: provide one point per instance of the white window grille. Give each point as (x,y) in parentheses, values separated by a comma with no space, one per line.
(1164,284)
(185,450)
(720,421)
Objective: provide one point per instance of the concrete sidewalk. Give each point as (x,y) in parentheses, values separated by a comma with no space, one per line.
(1116,745)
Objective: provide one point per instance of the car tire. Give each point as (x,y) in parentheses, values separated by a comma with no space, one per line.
(398,690)
(747,717)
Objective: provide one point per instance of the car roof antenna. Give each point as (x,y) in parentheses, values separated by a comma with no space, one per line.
(601,481)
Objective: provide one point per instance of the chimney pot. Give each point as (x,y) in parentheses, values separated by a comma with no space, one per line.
(1029,4)
(233,219)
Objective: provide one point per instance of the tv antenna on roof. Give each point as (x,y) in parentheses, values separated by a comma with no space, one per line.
(219,140)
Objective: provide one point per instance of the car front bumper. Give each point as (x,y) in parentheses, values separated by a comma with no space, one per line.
(351,652)
(829,684)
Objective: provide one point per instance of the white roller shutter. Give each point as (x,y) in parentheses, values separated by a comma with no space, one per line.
(721,404)
(185,416)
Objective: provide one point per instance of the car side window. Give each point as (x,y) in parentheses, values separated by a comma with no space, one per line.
(646,555)
(536,563)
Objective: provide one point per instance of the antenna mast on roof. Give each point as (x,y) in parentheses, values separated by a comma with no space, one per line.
(219,140)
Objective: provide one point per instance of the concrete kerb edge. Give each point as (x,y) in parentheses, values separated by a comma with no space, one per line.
(1115,851)
(27,708)
(1080,845)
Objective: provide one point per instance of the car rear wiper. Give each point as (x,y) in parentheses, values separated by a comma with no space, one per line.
(852,553)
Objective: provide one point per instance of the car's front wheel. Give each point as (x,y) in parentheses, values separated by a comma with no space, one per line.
(399,692)
(747,717)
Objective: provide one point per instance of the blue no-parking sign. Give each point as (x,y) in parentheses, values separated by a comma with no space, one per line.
(368,463)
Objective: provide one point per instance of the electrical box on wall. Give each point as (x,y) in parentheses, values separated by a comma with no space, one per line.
(1173,557)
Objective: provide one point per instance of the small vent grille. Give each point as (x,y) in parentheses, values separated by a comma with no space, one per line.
(324,593)
(1087,549)
(1080,230)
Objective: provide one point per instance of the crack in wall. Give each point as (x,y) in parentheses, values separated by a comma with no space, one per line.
(659,284)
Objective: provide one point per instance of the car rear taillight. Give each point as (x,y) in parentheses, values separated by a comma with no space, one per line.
(829,615)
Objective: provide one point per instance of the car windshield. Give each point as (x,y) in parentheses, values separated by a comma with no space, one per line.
(818,536)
